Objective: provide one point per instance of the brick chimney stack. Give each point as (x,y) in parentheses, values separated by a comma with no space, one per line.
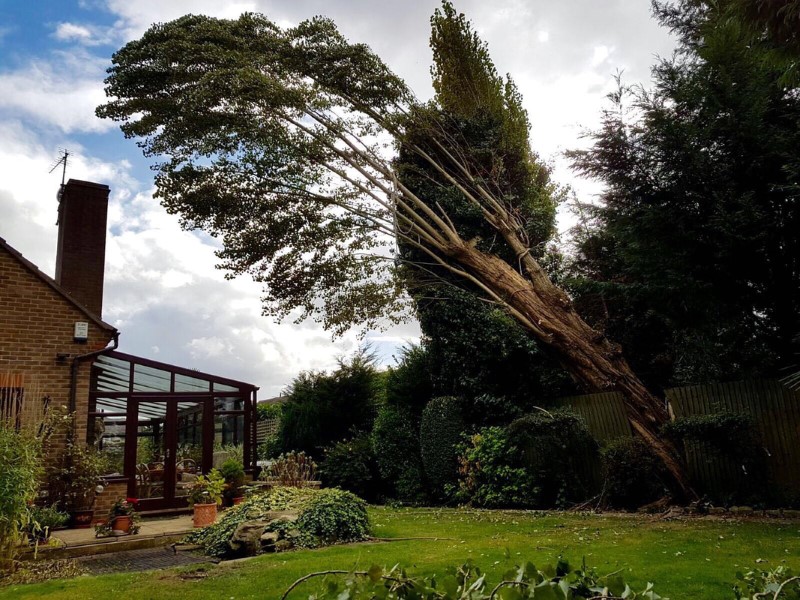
(81,256)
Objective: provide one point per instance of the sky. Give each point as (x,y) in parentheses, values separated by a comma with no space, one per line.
(162,288)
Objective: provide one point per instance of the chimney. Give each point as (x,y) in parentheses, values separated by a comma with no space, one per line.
(81,256)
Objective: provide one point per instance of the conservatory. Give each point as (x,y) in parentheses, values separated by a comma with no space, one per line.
(160,426)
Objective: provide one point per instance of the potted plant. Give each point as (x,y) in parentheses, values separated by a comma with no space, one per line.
(204,496)
(123,517)
(76,480)
(232,472)
(43,521)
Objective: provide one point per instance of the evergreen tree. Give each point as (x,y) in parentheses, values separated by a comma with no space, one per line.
(692,259)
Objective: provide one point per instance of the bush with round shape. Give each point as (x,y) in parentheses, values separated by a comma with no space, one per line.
(440,432)
(395,443)
(558,451)
(325,517)
(634,476)
(350,465)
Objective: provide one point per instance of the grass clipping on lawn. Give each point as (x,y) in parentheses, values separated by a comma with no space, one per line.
(325,517)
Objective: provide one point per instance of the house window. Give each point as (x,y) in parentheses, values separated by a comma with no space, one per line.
(11,396)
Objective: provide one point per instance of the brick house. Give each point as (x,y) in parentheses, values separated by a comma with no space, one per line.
(158,424)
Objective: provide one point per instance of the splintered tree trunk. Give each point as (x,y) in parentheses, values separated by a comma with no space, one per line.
(546,311)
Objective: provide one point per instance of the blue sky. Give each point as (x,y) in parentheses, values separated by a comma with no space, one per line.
(162,288)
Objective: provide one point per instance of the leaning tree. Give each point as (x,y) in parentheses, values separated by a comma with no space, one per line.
(279,142)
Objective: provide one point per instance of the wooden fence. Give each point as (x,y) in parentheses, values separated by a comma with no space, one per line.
(774,408)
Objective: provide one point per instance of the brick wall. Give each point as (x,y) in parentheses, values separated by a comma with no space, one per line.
(36,325)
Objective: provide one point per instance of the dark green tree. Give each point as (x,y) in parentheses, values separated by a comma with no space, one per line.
(692,258)
(272,139)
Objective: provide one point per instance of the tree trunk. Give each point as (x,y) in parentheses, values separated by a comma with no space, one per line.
(547,312)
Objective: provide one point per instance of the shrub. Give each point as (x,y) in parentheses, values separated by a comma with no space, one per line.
(323,408)
(324,517)
(350,465)
(731,441)
(232,472)
(20,470)
(270,447)
(395,443)
(560,454)
(634,474)
(440,432)
(559,581)
(268,411)
(490,475)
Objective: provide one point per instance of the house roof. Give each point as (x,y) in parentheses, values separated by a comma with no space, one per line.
(55,286)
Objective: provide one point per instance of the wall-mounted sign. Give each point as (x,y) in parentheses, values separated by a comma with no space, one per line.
(81,331)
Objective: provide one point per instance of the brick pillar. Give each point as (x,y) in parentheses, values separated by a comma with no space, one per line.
(81,257)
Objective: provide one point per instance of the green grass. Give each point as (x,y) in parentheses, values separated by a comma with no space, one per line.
(694,559)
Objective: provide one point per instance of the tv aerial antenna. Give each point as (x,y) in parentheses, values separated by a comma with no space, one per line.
(62,160)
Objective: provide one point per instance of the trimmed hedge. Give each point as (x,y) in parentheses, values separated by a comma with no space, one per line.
(440,432)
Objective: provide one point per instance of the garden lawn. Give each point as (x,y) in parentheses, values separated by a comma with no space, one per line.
(693,559)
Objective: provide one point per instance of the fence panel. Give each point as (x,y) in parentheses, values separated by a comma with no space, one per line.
(604,414)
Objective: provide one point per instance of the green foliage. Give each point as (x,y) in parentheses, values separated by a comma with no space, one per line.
(691,260)
(322,408)
(439,434)
(396,445)
(232,472)
(468,582)
(776,584)
(20,470)
(267,411)
(207,489)
(729,437)
(44,520)
(634,475)
(560,454)
(350,465)
(324,517)
(490,474)
(270,447)
(408,385)
(72,478)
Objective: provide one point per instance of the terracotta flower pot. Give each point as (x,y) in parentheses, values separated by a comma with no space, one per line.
(122,524)
(238,500)
(82,519)
(204,515)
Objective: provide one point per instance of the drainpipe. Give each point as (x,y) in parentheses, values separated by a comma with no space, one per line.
(73,384)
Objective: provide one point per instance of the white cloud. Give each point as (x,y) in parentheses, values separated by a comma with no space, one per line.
(600,55)
(543,36)
(72,31)
(61,93)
